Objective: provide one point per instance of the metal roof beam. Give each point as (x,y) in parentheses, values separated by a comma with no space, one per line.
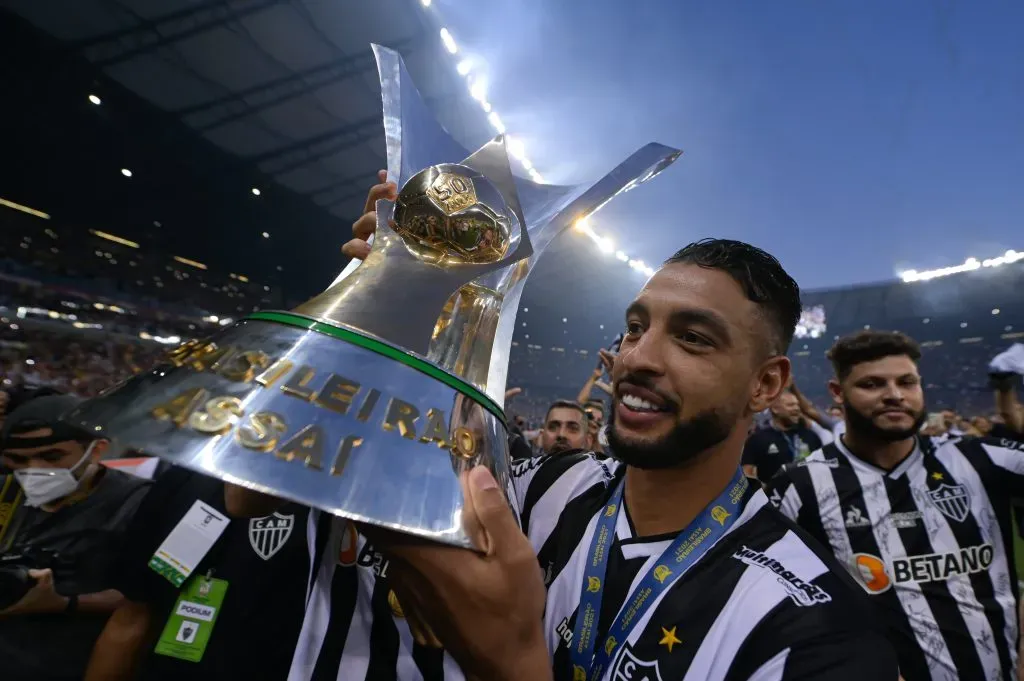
(350,196)
(118,46)
(306,151)
(251,101)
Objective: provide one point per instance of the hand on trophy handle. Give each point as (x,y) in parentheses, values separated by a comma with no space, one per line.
(366,225)
(486,609)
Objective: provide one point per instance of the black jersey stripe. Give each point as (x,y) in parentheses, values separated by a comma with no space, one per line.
(384,643)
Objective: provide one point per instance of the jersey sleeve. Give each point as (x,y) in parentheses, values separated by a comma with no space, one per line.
(836,658)
(1008,457)
(784,494)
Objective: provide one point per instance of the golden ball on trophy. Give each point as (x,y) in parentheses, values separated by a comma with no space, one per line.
(452,214)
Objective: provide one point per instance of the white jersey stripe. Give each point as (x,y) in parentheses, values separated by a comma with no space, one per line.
(318,613)
(548,509)
(831,512)
(981,508)
(564,592)
(355,658)
(912,599)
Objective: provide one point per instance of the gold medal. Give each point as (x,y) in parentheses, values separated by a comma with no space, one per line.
(396,607)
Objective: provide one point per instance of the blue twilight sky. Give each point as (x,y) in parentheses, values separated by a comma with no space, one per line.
(852,139)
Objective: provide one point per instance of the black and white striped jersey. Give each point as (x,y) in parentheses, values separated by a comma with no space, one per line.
(931,541)
(761,605)
(353,629)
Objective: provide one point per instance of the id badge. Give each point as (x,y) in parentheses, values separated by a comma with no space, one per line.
(188,629)
(188,543)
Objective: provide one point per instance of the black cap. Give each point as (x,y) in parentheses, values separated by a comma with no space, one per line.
(36,414)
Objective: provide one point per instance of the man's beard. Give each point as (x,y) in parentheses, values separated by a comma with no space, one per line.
(681,446)
(866,426)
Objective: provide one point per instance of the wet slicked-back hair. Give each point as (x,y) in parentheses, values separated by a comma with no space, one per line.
(759,274)
(868,346)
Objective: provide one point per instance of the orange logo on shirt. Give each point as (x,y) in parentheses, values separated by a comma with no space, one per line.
(871,573)
(349,550)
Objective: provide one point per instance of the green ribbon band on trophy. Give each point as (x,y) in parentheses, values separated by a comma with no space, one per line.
(386,350)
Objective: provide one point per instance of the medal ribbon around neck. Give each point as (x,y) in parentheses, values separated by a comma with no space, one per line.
(683,553)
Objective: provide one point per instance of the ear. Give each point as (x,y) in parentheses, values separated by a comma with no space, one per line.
(836,391)
(772,379)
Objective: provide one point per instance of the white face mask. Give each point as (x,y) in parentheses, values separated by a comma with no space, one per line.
(43,485)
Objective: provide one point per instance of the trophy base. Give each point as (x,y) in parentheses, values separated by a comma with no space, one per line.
(317,414)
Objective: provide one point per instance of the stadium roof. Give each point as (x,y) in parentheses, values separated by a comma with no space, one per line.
(203,102)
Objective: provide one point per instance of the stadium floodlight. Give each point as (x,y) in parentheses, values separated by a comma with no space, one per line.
(478,89)
(449,41)
(126,172)
(426,3)
(256,191)
(516,148)
(621,256)
(486,106)
(968,265)
(95,100)
(464,67)
(495,121)
(266,235)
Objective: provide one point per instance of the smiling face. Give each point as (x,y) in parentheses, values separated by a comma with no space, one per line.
(882,398)
(693,368)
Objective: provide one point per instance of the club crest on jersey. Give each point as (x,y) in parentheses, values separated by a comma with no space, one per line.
(952,500)
(267,535)
(632,668)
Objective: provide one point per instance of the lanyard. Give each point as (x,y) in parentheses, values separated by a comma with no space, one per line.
(791,443)
(684,551)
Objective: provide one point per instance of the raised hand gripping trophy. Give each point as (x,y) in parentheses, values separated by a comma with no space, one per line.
(369,400)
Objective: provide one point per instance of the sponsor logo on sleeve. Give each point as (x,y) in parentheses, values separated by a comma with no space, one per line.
(800,592)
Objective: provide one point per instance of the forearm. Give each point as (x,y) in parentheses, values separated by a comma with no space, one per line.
(101,601)
(604,386)
(587,388)
(118,648)
(809,410)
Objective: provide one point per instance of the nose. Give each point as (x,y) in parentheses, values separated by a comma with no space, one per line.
(644,356)
(893,393)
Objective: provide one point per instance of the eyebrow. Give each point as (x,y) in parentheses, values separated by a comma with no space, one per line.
(689,317)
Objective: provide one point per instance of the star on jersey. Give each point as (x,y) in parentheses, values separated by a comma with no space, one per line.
(668,638)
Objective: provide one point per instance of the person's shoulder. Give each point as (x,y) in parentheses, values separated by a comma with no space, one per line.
(802,589)
(120,484)
(580,462)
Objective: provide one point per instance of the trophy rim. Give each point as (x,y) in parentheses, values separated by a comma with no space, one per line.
(381,347)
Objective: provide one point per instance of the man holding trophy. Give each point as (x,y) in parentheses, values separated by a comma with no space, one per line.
(379,401)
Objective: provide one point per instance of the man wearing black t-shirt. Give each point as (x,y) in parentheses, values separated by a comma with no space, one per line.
(264,563)
(783,441)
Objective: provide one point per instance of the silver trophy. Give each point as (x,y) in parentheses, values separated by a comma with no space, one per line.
(369,400)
